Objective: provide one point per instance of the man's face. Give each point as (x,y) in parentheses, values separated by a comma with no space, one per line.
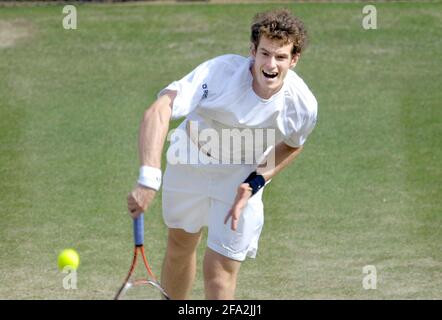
(272,62)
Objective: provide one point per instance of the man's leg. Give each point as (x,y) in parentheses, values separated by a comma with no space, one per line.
(220,274)
(179,265)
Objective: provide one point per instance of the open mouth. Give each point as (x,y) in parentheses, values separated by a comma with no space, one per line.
(270,75)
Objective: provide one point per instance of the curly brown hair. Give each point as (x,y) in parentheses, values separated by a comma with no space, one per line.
(280,25)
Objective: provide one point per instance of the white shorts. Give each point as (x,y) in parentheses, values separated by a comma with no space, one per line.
(198,195)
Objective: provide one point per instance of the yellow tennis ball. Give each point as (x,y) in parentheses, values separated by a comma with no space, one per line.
(68,257)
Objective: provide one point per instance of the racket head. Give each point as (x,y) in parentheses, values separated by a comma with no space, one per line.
(141,289)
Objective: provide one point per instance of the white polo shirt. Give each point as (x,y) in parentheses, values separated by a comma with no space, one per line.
(219,95)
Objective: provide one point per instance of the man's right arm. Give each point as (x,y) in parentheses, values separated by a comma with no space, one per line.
(153,130)
(152,135)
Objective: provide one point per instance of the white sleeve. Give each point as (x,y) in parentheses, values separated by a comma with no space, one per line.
(190,89)
(300,121)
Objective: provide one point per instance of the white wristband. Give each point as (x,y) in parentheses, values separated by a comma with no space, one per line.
(150,177)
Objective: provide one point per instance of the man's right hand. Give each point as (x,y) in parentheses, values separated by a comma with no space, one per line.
(139,199)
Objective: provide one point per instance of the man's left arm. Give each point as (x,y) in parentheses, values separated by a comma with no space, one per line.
(283,156)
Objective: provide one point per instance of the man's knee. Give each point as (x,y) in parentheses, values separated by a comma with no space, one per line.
(220,274)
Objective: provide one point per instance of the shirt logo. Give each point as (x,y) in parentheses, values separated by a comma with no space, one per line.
(205,91)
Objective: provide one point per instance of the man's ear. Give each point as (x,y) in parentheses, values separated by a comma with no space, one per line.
(295,60)
(252,50)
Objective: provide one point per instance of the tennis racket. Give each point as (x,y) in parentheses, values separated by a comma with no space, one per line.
(146,288)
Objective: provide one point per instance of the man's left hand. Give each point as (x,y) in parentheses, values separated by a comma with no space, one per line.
(242,196)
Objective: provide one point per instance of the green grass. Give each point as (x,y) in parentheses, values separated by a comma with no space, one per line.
(365,191)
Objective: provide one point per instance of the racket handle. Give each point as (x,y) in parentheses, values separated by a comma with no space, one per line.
(139,230)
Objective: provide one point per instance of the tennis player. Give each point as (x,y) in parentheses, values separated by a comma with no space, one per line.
(229,93)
